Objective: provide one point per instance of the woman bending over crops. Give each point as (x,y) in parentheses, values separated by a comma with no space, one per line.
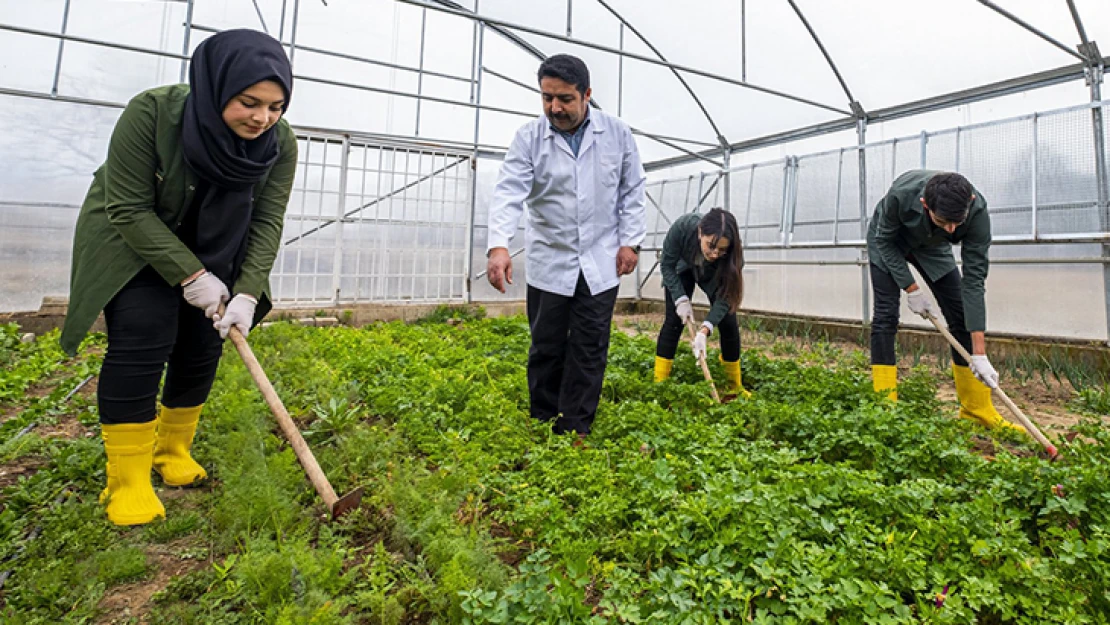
(185,214)
(703,250)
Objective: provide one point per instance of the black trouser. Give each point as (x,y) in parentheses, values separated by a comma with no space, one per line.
(671,332)
(149,325)
(884,318)
(570,348)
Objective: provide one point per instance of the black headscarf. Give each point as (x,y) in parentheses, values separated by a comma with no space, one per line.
(222,67)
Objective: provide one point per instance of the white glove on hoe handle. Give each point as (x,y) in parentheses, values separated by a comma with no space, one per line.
(981,367)
(206,292)
(684,309)
(239,313)
(699,345)
(920,304)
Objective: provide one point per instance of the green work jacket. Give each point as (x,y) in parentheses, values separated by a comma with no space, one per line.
(681,253)
(901,228)
(139,198)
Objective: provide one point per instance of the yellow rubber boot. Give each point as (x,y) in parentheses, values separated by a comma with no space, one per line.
(975,400)
(663,368)
(130,499)
(113,482)
(885,378)
(732,375)
(176,427)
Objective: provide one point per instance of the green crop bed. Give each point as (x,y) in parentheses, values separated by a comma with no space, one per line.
(815,502)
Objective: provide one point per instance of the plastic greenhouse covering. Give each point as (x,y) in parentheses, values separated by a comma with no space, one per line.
(796,115)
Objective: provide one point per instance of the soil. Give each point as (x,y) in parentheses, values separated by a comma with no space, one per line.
(131,603)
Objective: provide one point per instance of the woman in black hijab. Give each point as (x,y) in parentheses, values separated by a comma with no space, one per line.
(184,216)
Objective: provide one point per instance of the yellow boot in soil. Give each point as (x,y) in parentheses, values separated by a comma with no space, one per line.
(130,450)
(735,384)
(663,368)
(176,428)
(975,401)
(885,378)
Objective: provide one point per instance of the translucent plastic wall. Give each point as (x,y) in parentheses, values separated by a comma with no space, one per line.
(804,226)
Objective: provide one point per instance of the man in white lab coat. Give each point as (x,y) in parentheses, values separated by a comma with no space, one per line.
(579,173)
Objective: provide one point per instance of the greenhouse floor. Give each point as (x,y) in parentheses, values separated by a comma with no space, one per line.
(817,501)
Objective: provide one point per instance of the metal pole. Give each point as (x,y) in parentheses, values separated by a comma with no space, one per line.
(1101,179)
(337,260)
(924,149)
(570,15)
(293,33)
(478,82)
(865,278)
(188,34)
(468,294)
(620,81)
(839,189)
(61,48)
(281,29)
(727,180)
(420,68)
(1034,228)
(744,40)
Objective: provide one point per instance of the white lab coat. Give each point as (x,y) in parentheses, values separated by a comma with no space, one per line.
(580,210)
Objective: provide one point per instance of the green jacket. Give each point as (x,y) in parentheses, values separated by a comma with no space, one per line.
(681,252)
(900,228)
(139,197)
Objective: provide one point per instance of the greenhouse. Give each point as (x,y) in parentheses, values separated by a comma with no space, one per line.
(388,432)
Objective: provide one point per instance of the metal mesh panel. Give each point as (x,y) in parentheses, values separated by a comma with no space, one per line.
(817,198)
(941,151)
(849,223)
(906,156)
(879,177)
(370,222)
(761,221)
(998,160)
(1067,192)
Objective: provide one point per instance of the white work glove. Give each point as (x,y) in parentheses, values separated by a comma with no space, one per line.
(239,313)
(983,370)
(699,345)
(684,309)
(921,304)
(206,292)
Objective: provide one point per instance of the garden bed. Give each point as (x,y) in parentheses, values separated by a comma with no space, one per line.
(815,502)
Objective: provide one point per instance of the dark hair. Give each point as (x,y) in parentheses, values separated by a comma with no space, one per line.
(719,223)
(949,196)
(567,68)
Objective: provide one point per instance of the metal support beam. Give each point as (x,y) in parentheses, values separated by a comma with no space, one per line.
(61,49)
(865,274)
(360,59)
(570,16)
(420,69)
(337,258)
(444,6)
(825,53)
(1078,23)
(376,201)
(185,43)
(744,40)
(1029,27)
(1101,177)
(293,30)
(709,118)
(909,109)
(261,20)
(620,82)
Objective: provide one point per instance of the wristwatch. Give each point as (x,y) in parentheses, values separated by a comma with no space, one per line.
(636,249)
